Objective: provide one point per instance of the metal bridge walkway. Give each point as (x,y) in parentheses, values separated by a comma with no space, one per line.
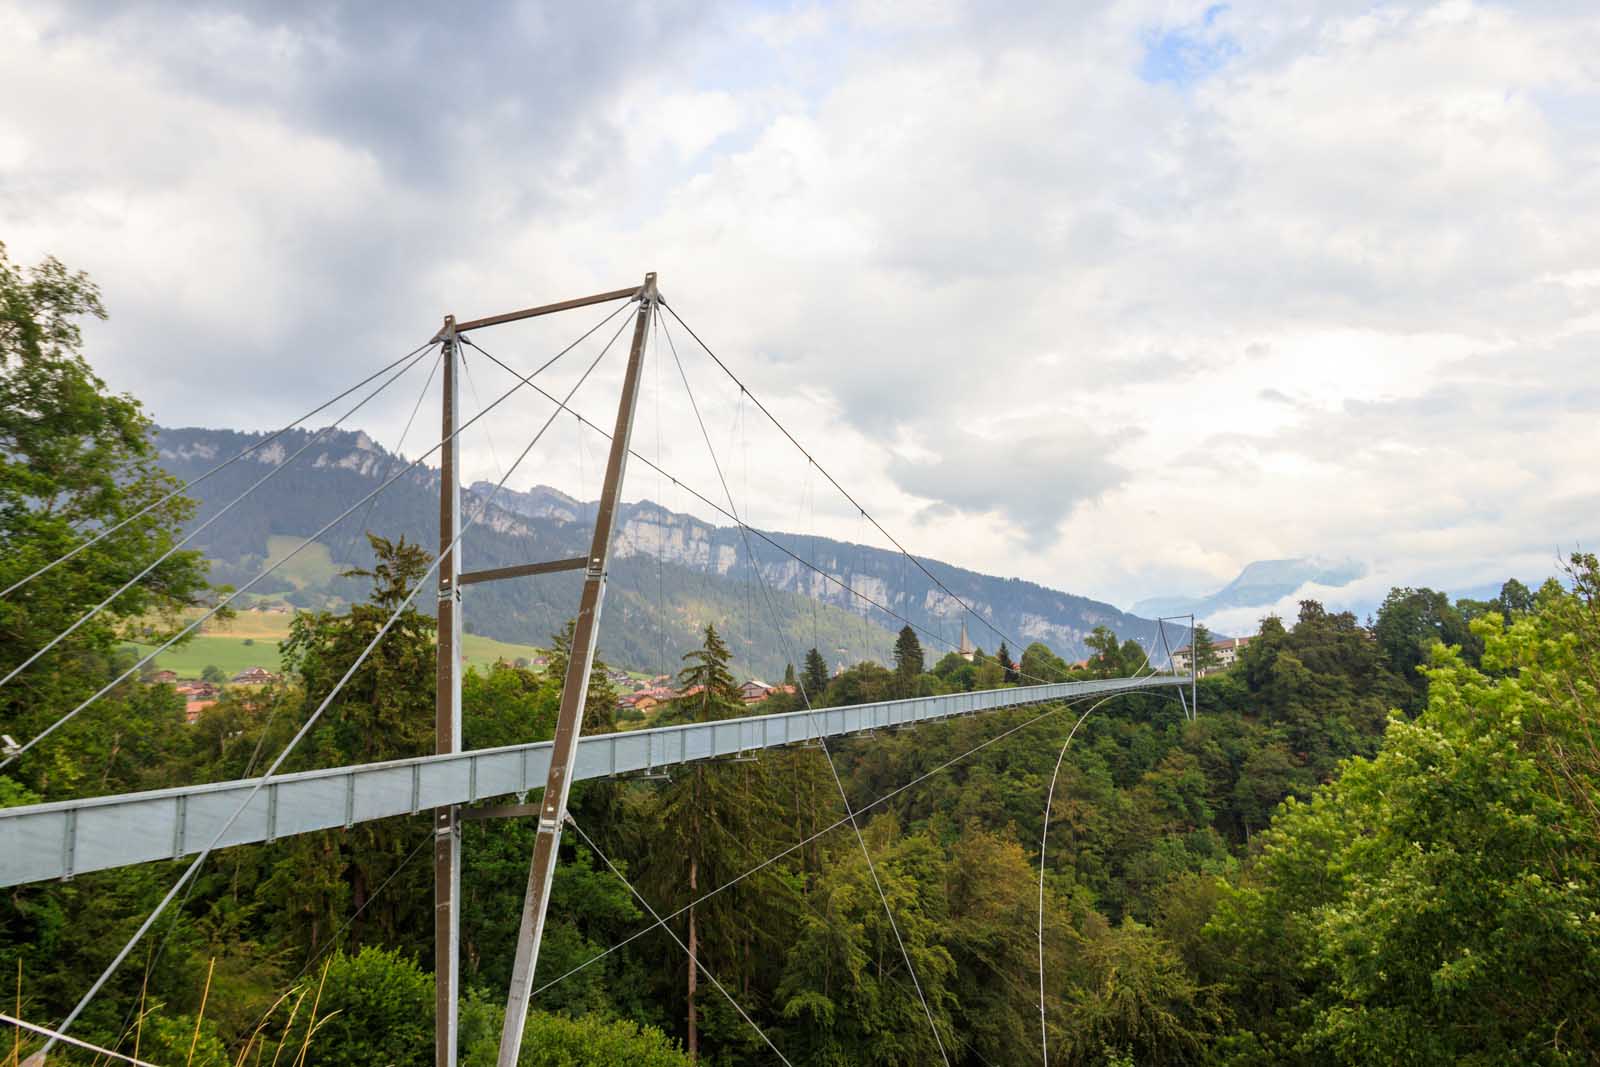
(58,840)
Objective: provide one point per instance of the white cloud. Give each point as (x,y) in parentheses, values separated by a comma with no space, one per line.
(910,227)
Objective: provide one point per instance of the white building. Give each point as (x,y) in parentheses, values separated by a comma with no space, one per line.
(1227,653)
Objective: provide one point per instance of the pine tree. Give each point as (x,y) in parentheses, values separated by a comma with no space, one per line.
(908,662)
(600,702)
(706,682)
(1007,665)
(788,675)
(383,711)
(713,818)
(815,676)
(1205,653)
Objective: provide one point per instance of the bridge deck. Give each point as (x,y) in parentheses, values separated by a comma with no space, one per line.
(57,840)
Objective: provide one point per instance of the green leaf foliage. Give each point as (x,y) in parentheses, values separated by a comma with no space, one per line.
(1374,844)
(1439,902)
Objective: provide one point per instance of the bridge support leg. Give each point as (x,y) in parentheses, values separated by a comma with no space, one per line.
(574,694)
(447,726)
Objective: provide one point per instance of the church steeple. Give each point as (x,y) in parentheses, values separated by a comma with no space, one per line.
(965,651)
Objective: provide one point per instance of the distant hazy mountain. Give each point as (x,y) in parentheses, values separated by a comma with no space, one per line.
(1262,583)
(671,572)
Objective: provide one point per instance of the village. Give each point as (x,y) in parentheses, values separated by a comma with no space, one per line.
(648,698)
(640,696)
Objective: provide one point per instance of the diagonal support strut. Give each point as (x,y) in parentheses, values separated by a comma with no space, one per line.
(574,694)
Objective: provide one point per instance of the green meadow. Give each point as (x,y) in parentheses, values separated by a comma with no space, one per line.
(225,646)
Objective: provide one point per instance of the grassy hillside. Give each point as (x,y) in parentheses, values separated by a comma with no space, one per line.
(225,646)
(312,568)
(231,654)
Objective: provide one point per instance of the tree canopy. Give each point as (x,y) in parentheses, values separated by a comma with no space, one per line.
(1373,843)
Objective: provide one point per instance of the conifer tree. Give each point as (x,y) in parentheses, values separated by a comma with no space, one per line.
(908,662)
(1204,651)
(706,681)
(600,702)
(1007,665)
(816,675)
(713,816)
(383,711)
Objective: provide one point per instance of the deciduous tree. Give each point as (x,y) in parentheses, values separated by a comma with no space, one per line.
(75,459)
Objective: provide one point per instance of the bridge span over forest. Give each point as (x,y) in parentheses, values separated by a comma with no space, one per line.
(64,839)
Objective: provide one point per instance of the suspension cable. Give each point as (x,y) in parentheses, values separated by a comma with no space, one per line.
(803,842)
(63,720)
(198,530)
(725,513)
(694,959)
(57,1035)
(487,435)
(794,441)
(186,486)
(351,920)
(661,538)
(834,771)
(1049,802)
(316,715)
(398,452)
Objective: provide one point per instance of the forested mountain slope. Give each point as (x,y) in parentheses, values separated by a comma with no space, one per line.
(672,572)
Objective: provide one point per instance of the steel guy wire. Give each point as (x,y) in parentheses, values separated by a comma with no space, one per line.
(56,1035)
(186,486)
(694,959)
(427,839)
(316,715)
(1049,802)
(719,509)
(1058,707)
(834,771)
(843,492)
(794,892)
(661,546)
(330,943)
(198,530)
(161,948)
(1161,625)
(396,453)
(63,720)
(708,502)
(1194,666)
(487,435)
(809,494)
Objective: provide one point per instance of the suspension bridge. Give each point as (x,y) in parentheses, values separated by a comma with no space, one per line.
(63,839)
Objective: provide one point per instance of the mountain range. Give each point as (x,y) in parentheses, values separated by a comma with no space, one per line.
(671,572)
(1259,584)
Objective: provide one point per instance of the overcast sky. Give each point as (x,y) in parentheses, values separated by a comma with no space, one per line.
(1113,296)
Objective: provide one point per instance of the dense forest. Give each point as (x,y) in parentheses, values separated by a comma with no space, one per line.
(1375,843)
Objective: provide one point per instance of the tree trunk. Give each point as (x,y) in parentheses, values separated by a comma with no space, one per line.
(358,896)
(694,971)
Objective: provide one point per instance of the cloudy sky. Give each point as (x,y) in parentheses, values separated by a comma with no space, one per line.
(1116,296)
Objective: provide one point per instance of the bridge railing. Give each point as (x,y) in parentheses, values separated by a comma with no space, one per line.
(58,840)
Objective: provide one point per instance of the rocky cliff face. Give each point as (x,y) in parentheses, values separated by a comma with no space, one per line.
(1024,610)
(703,564)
